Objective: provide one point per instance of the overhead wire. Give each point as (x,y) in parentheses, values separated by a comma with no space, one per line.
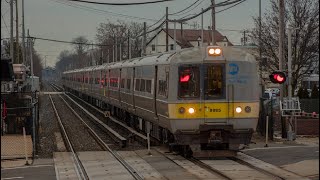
(100,10)
(191,8)
(210,7)
(185,8)
(120,4)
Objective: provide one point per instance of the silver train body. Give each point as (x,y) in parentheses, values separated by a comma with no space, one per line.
(191,99)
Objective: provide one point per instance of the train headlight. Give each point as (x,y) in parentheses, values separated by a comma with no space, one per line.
(211,51)
(217,51)
(238,109)
(182,110)
(214,51)
(191,110)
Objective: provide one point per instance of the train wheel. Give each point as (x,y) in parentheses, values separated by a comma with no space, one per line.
(186,151)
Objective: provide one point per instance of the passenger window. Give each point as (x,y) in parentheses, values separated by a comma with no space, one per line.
(137,84)
(122,83)
(128,83)
(148,86)
(142,85)
(189,78)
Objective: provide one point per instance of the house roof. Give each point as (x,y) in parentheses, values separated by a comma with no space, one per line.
(193,35)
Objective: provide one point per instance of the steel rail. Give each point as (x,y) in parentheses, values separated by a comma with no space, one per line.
(131,170)
(80,169)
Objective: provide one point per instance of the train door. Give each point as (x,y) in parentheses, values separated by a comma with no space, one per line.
(119,86)
(133,87)
(216,108)
(155,80)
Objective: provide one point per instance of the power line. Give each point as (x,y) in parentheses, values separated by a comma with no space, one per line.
(121,4)
(191,8)
(185,8)
(231,6)
(225,3)
(101,11)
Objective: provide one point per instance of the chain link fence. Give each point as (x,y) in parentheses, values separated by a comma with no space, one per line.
(309,105)
(19,117)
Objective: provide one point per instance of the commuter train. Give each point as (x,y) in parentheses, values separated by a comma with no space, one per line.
(200,100)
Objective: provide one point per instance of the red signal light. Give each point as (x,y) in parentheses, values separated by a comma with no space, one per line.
(278,77)
(185,78)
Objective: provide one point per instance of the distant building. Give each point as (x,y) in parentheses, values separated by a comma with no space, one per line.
(185,39)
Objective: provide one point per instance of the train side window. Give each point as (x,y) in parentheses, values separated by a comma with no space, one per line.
(122,83)
(189,81)
(142,85)
(137,85)
(114,82)
(148,86)
(128,83)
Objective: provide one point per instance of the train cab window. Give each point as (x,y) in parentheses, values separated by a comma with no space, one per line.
(189,81)
(214,81)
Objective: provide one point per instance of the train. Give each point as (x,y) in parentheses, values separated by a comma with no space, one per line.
(201,101)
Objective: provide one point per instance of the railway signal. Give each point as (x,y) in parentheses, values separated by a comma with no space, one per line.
(278,77)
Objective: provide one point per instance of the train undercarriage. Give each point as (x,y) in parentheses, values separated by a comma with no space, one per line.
(208,141)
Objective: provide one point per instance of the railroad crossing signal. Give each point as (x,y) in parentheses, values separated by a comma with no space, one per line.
(278,77)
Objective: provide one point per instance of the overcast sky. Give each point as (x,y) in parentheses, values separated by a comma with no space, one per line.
(63,20)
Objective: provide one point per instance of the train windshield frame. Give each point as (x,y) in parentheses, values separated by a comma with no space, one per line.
(189,81)
(214,81)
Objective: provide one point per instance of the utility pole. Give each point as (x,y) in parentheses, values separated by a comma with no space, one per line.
(281,41)
(281,57)
(167,30)
(23,36)
(244,37)
(175,36)
(11,31)
(202,28)
(145,38)
(213,14)
(17,34)
(289,82)
(129,48)
(260,52)
(120,52)
(116,51)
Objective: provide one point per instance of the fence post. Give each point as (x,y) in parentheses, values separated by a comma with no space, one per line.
(267,125)
(148,138)
(25,145)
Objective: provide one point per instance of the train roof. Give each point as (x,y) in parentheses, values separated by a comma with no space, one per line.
(189,55)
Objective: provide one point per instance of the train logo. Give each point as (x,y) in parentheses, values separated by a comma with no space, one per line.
(233,69)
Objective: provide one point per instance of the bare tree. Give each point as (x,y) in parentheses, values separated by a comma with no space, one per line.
(112,35)
(302,14)
(81,46)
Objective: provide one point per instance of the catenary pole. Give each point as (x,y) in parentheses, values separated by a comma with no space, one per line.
(23,36)
(167,30)
(17,34)
(213,14)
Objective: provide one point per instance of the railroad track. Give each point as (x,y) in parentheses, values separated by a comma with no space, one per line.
(113,121)
(236,168)
(227,168)
(82,173)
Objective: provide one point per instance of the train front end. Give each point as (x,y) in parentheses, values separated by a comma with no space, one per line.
(217,105)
